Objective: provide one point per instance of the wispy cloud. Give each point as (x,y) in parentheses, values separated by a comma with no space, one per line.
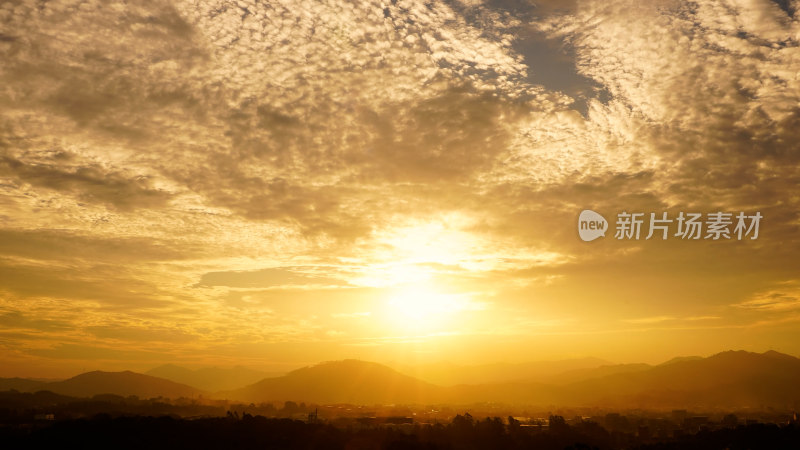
(784,297)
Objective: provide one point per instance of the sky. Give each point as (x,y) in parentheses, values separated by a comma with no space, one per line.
(275,184)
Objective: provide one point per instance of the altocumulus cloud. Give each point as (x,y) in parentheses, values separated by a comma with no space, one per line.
(185,140)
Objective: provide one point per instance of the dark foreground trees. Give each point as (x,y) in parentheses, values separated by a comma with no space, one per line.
(463,433)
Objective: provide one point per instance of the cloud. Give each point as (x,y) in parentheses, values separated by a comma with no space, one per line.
(89,183)
(15,319)
(112,287)
(649,320)
(672,319)
(141,334)
(273,277)
(55,244)
(169,159)
(784,297)
(95,353)
(354,315)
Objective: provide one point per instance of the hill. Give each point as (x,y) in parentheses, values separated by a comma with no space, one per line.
(20,384)
(447,374)
(120,383)
(348,381)
(730,379)
(727,379)
(574,376)
(211,379)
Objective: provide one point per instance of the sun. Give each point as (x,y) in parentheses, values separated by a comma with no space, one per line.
(423,308)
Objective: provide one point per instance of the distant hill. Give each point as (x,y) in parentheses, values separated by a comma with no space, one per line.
(681,359)
(348,381)
(120,383)
(211,379)
(727,379)
(20,384)
(574,376)
(446,374)
(732,379)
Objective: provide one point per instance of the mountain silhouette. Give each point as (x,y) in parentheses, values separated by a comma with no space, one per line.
(447,374)
(577,375)
(348,381)
(120,383)
(210,379)
(731,379)
(681,359)
(21,384)
(727,379)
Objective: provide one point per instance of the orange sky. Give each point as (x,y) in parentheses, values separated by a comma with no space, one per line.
(277,184)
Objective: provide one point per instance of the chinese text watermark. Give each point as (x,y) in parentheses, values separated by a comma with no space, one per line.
(690,226)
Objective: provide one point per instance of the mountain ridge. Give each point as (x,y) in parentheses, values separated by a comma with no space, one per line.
(351,378)
(211,379)
(90,384)
(726,379)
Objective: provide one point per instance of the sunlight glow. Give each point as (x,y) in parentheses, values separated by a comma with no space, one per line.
(421,251)
(423,308)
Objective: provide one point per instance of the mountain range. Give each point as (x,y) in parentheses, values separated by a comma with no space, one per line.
(448,374)
(211,379)
(732,379)
(89,384)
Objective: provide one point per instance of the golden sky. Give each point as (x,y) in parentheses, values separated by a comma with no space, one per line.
(279,183)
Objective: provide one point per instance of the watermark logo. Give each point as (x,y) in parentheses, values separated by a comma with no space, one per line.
(689,226)
(591,225)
